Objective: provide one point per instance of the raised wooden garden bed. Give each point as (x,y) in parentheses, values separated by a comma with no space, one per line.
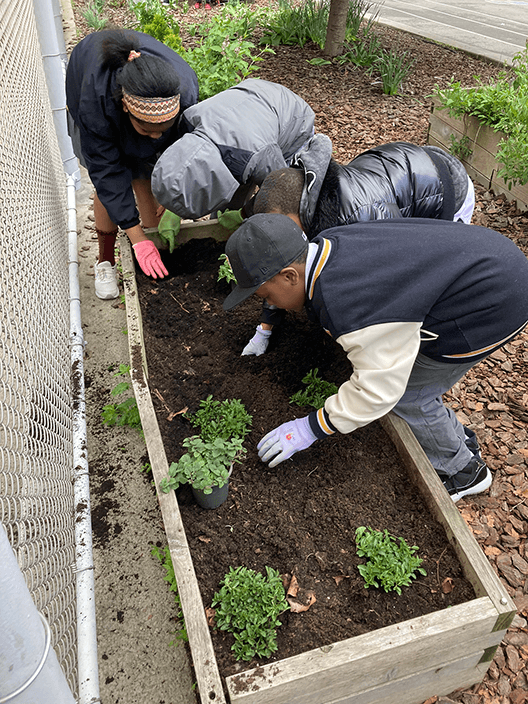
(481,143)
(398,664)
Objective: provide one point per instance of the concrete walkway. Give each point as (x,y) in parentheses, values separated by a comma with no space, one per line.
(491,29)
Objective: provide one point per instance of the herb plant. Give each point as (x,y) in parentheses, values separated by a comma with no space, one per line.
(224,270)
(391,564)
(221,419)
(204,465)
(316,392)
(503,105)
(248,606)
(126,412)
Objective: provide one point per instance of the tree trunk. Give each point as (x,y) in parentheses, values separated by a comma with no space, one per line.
(336,29)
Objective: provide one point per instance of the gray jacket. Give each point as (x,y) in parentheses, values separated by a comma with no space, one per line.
(234,138)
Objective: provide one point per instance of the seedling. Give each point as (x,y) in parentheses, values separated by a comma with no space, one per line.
(224,270)
(205,464)
(164,557)
(390,565)
(221,419)
(248,606)
(126,412)
(316,392)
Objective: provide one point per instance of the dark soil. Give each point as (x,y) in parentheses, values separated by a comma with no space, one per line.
(299,518)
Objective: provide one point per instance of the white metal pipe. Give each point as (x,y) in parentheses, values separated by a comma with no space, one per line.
(29,670)
(53,60)
(88,671)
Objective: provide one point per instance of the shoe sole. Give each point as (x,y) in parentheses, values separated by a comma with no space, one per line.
(107,296)
(477,489)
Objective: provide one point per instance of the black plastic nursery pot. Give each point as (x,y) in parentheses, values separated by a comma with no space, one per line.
(403,663)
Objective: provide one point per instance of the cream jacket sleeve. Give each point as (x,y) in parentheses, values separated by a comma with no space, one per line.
(382,357)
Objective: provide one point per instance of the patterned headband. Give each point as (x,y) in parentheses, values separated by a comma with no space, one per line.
(152,109)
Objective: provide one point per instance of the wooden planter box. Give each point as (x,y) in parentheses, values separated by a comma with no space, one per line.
(481,164)
(400,664)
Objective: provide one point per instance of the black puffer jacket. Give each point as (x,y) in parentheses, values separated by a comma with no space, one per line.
(393,180)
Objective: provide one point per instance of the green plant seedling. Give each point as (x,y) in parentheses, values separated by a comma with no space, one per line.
(164,556)
(316,392)
(204,465)
(319,61)
(248,605)
(126,412)
(391,564)
(221,419)
(92,15)
(224,270)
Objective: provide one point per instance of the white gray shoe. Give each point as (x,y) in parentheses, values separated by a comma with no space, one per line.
(105,280)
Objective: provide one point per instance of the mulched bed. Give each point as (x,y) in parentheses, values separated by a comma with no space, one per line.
(299,518)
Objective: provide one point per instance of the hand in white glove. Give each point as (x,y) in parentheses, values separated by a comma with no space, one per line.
(286,440)
(258,343)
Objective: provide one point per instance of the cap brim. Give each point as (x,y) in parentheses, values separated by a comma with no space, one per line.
(239,295)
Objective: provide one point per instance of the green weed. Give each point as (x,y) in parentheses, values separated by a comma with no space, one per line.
(224,270)
(124,413)
(92,15)
(221,419)
(164,556)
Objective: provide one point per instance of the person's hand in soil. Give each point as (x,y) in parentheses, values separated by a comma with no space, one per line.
(149,259)
(283,442)
(258,343)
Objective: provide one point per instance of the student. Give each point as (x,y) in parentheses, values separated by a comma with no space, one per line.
(393,180)
(234,139)
(125,91)
(415,303)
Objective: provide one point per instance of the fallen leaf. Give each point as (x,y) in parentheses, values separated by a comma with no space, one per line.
(293,587)
(203,539)
(210,615)
(339,578)
(296,607)
(447,585)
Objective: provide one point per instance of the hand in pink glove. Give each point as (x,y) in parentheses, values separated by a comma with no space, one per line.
(286,440)
(149,259)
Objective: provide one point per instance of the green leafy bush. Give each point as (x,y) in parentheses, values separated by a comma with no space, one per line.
(316,392)
(204,465)
(248,606)
(503,105)
(391,564)
(221,419)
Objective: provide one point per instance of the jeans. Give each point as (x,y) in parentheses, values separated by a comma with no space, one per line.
(435,426)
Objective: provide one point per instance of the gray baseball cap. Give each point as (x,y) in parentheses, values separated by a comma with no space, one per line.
(261,247)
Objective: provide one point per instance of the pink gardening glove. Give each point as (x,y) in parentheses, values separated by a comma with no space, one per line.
(149,259)
(286,440)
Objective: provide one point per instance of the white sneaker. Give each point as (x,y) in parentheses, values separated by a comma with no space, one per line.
(105,280)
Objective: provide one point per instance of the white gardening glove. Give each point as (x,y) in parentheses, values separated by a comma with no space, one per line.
(286,440)
(258,343)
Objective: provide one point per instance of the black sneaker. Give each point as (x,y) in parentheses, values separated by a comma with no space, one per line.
(474,478)
(472,442)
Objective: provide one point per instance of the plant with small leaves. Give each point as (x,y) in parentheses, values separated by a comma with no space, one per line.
(205,465)
(248,605)
(221,419)
(461,147)
(164,556)
(391,564)
(92,15)
(316,392)
(225,271)
(125,413)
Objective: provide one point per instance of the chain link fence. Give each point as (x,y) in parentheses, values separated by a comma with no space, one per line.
(36,446)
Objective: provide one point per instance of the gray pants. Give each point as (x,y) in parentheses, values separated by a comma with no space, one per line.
(434,425)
